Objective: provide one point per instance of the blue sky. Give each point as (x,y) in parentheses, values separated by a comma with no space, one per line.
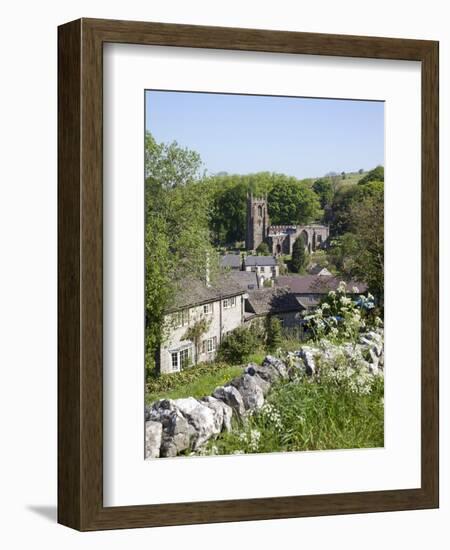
(240,134)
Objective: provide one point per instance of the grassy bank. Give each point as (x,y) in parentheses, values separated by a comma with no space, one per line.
(309,416)
(197,381)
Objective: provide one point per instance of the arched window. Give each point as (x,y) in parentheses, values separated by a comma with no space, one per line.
(260,210)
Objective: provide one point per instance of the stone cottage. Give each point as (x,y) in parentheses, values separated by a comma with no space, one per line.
(210,311)
(265,267)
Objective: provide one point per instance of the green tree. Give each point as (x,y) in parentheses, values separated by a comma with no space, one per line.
(368,221)
(299,257)
(263,249)
(359,253)
(377,174)
(238,345)
(324,190)
(340,215)
(176,234)
(292,202)
(170,164)
(274,336)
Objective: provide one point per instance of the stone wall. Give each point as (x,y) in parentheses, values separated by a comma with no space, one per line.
(185,425)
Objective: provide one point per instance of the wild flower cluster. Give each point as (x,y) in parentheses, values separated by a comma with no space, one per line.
(345,368)
(250,440)
(339,317)
(271,416)
(354,380)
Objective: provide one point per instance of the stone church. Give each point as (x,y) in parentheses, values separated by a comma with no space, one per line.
(280,238)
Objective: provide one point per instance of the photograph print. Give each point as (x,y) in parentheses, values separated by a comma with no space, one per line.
(264,274)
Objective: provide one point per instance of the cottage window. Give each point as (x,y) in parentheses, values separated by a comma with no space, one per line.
(175,363)
(184,358)
(207,309)
(181,318)
(210,345)
(180,359)
(229,302)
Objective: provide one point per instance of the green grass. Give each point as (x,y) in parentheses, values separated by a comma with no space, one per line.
(307,416)
(197,381)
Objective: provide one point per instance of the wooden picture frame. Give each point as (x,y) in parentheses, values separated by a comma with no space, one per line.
(80,272)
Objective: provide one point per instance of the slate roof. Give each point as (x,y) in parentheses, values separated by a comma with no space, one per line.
(193,292)
(251,261)
(231,260)
(273,300)
(316,284)
(247,280)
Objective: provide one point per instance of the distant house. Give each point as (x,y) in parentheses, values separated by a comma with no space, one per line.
(278,302)
(231,261)
(310,289)
(265,267)
(220,307)
(320,270)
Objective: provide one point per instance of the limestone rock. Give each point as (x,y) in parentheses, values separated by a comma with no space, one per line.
(277,364)
(223,412)
(263,383)
(153,438)
(307,355)
(251,391)
(201,417)
(177,433)
(267,372)
(230,396)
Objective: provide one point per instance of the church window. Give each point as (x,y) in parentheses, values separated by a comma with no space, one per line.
(260,210)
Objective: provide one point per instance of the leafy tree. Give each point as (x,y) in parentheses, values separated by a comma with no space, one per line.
(299,257)
(263,249)
(274,336)
(170,164)
(176,234)
(238,345)
(359,253)
(340,216)
(368,220)
(323,188)
(291,201)
(228,217)
(377,174)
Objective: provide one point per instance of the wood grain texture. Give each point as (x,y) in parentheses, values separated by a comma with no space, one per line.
(80,264)
(69,248)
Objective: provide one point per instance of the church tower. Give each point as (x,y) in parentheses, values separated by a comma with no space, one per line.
(257,221)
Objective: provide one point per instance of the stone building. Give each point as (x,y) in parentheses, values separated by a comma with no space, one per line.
(265,267)
(220,306)
(280,238)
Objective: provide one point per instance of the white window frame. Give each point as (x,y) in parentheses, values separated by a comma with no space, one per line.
(175,364)
(181,318)
(211,344)
(181,358)
(229,302)
(184,360)
(208,309)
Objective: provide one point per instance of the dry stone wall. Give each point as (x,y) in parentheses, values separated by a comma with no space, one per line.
(185,425)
